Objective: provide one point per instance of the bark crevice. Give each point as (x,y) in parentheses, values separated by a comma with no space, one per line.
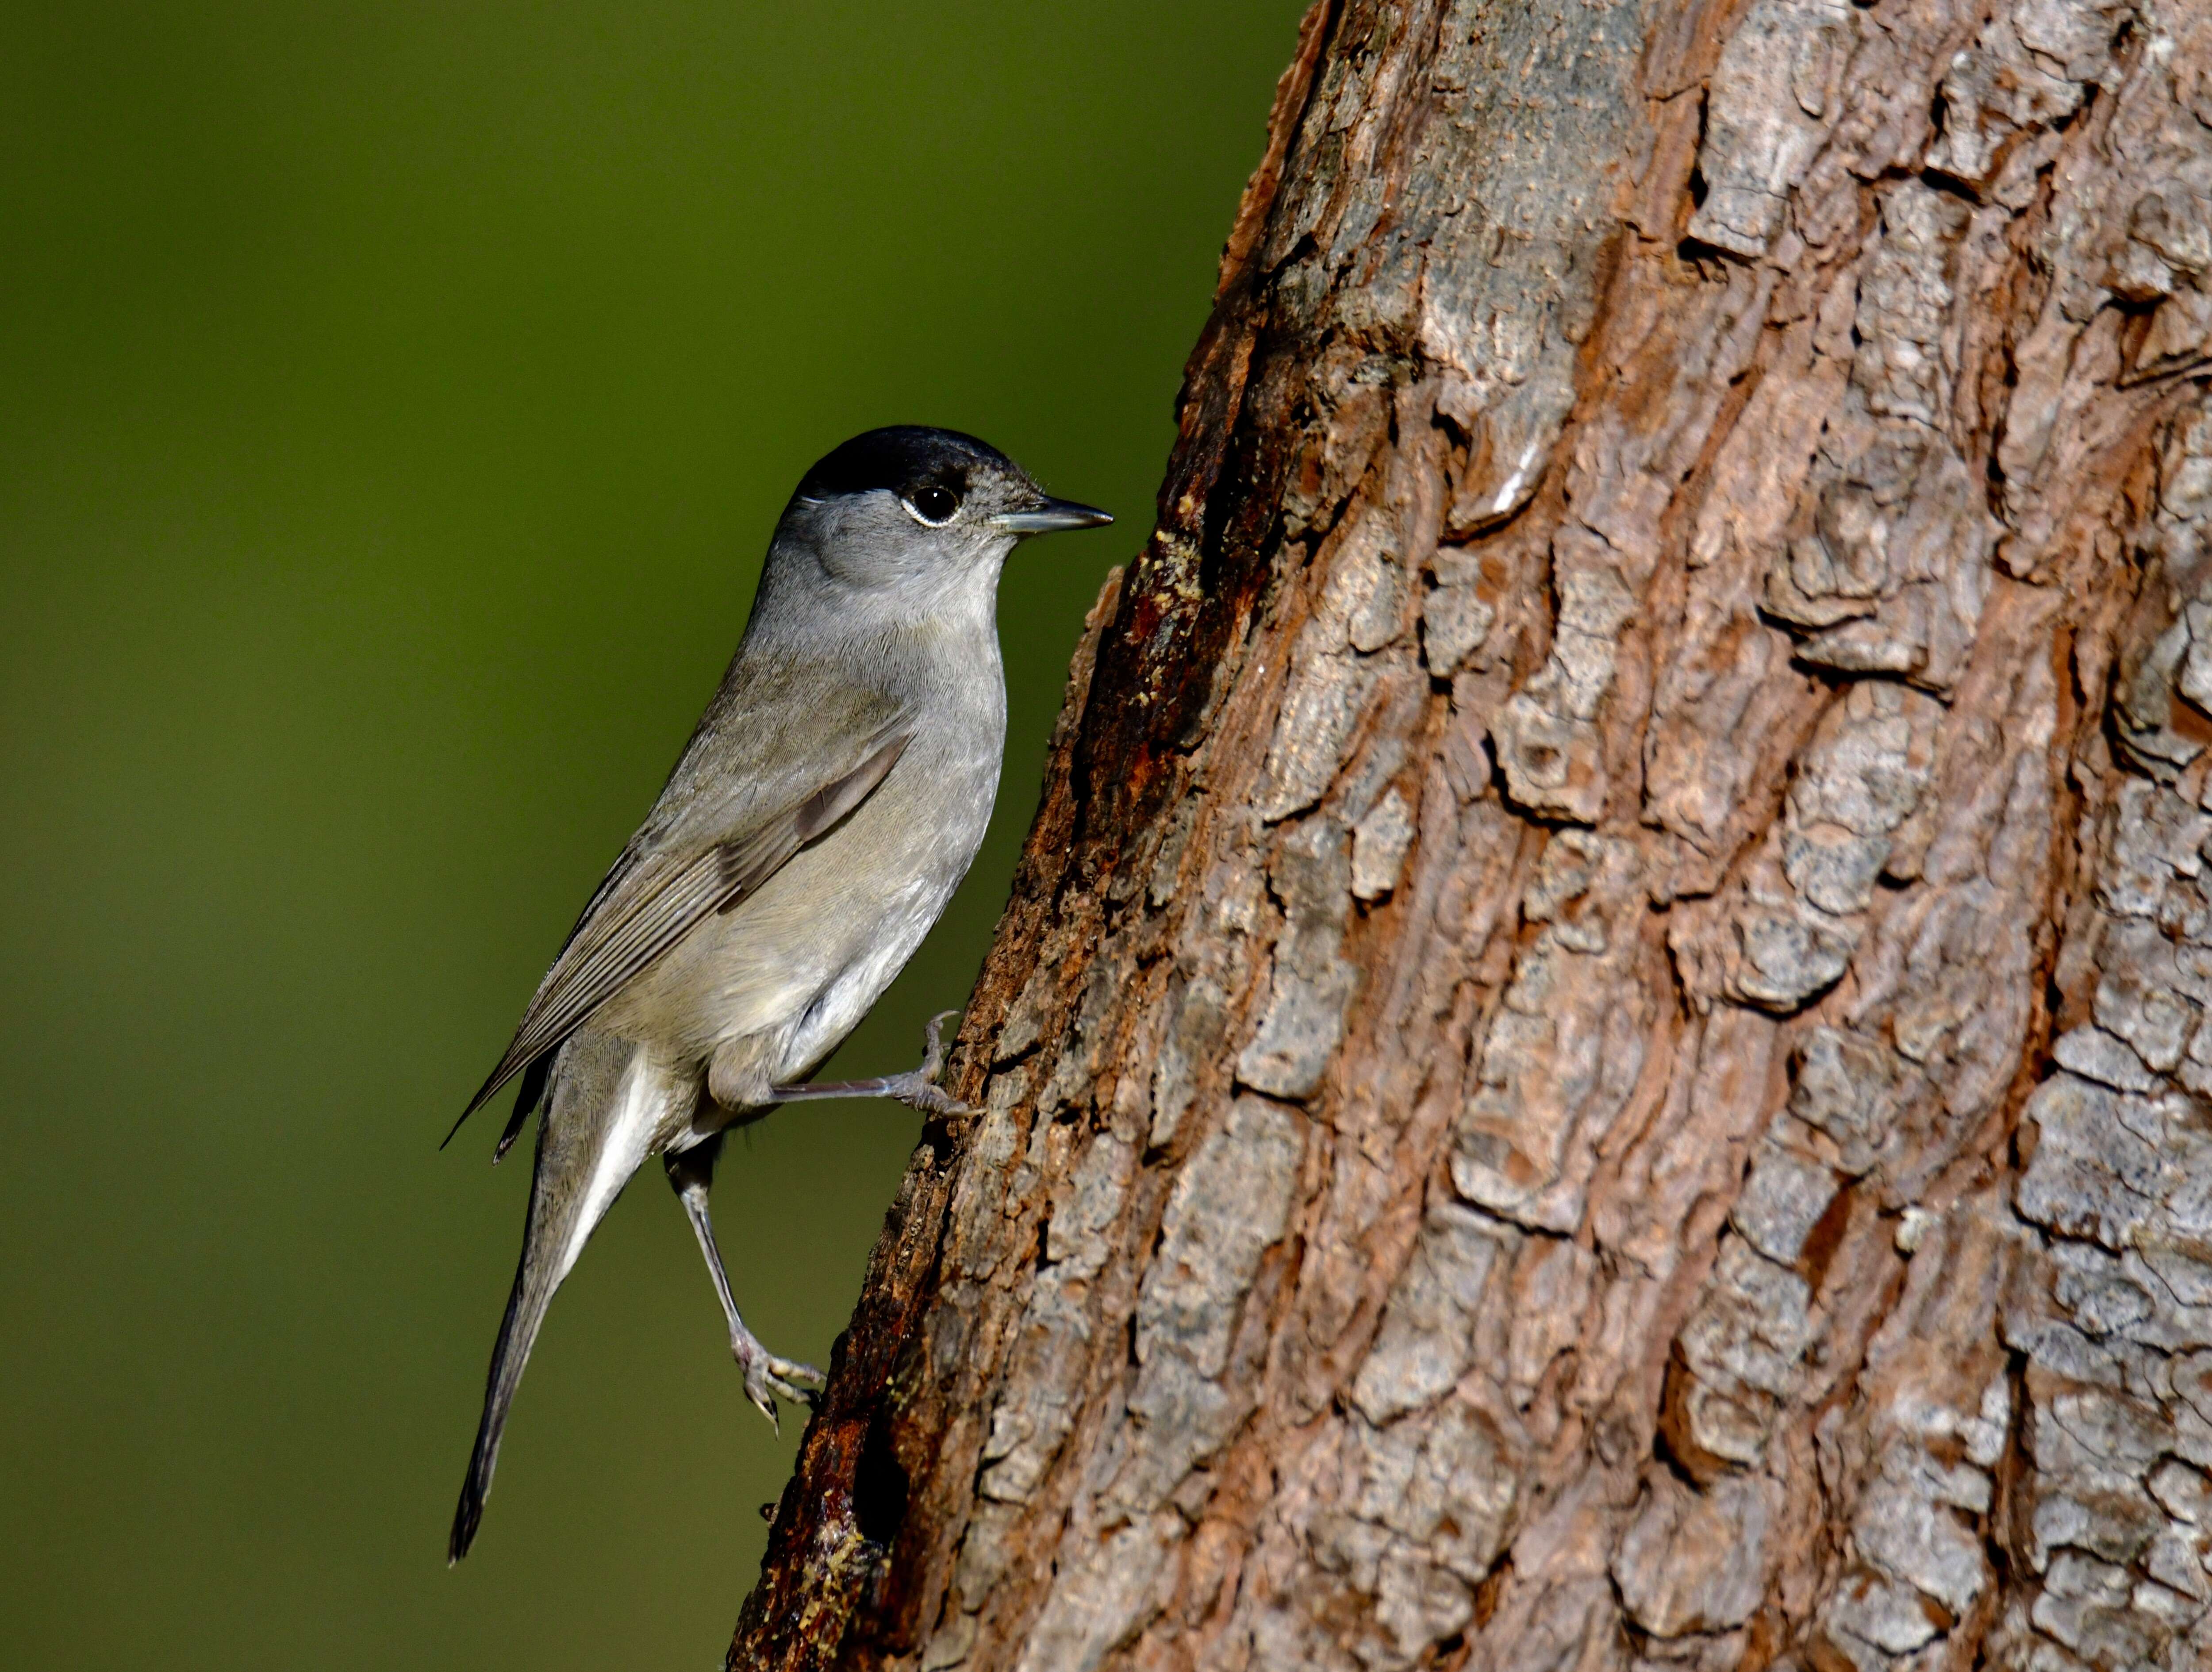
(1598,1057)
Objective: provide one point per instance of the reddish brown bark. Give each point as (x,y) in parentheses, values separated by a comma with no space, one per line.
(1596,1055)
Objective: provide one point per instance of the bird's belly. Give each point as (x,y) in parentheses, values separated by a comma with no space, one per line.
(849,994)
(797,982)
(796,965)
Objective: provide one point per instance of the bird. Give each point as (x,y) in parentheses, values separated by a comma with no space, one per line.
(830,800)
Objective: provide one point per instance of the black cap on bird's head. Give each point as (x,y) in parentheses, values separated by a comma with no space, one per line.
(901,458)
(935,474)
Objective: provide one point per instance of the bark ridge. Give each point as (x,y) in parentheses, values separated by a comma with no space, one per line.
(1599,1057)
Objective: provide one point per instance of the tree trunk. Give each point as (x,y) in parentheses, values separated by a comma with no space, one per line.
(1595,1058)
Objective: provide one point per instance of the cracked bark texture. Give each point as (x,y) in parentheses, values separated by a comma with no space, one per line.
(1599,1057)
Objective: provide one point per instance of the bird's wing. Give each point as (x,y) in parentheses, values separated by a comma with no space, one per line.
(647,904)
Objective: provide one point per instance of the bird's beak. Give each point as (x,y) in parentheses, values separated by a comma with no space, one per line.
(1049,518)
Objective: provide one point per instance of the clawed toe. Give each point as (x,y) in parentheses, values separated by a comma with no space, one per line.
(767,1375)
(801,1382)
(918,1090)
(933,1044)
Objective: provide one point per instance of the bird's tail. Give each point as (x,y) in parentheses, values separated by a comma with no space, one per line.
(595,1132)
(518,1330)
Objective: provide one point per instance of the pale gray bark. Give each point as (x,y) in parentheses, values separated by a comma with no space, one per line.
(1598,1057)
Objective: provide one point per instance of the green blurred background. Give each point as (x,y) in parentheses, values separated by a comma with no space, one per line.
(394,402)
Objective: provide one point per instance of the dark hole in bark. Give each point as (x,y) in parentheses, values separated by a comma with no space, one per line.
(1487,1593)
(1698,185)
(879,1486)
(1950,185)
(1825,1238)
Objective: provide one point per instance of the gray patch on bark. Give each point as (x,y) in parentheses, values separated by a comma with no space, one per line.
(1767,113)
(1427,1337)
(1379,841)
(1311,984)
(1695,1562)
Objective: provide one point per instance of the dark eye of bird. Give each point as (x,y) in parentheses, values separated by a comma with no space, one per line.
(935,505)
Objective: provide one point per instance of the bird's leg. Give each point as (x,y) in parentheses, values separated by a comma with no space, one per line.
(692,1174)
(917,1088)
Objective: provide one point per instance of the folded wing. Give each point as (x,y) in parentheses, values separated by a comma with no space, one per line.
(647,905)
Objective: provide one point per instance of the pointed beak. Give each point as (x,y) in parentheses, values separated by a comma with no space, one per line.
(1050,518)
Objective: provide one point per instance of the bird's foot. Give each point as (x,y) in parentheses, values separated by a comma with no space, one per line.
(917,1088)
(767,1375)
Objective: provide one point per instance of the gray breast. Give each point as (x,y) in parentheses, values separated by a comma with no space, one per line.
(802,960)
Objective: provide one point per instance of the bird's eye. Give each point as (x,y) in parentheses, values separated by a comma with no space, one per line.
(934,506)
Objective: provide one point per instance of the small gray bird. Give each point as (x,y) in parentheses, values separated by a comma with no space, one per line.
(829,801)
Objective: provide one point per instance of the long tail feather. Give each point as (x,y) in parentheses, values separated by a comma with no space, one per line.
(595,1130)
(526,1307)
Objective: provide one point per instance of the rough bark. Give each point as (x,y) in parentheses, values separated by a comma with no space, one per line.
(1596,1059)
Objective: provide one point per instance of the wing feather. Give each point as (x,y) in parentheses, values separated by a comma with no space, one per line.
(645,906)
